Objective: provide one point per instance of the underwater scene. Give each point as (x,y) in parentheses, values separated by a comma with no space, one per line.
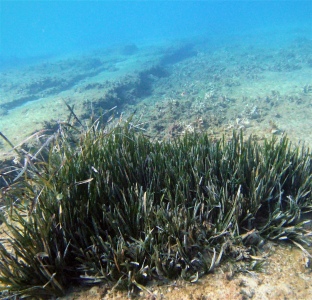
(155,149)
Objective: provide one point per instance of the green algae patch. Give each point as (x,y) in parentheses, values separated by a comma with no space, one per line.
(113,206)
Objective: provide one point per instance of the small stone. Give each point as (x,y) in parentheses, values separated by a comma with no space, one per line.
(93,291)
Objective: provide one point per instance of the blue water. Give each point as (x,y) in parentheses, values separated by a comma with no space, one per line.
(34,29)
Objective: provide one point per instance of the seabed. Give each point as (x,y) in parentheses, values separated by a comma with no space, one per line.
(170,90)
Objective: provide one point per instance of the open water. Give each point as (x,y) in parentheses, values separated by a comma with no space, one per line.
(36,29)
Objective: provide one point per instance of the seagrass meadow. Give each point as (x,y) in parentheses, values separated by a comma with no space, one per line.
(113,206)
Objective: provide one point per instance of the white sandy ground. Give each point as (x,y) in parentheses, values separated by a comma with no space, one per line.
(295,119)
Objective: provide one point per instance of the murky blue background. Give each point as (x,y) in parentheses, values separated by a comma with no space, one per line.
(31,29)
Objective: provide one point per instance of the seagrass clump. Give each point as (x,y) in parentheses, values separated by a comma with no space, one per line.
(114,206)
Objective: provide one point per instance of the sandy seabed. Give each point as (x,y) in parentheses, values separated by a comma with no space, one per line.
(170,89)
(284,276)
